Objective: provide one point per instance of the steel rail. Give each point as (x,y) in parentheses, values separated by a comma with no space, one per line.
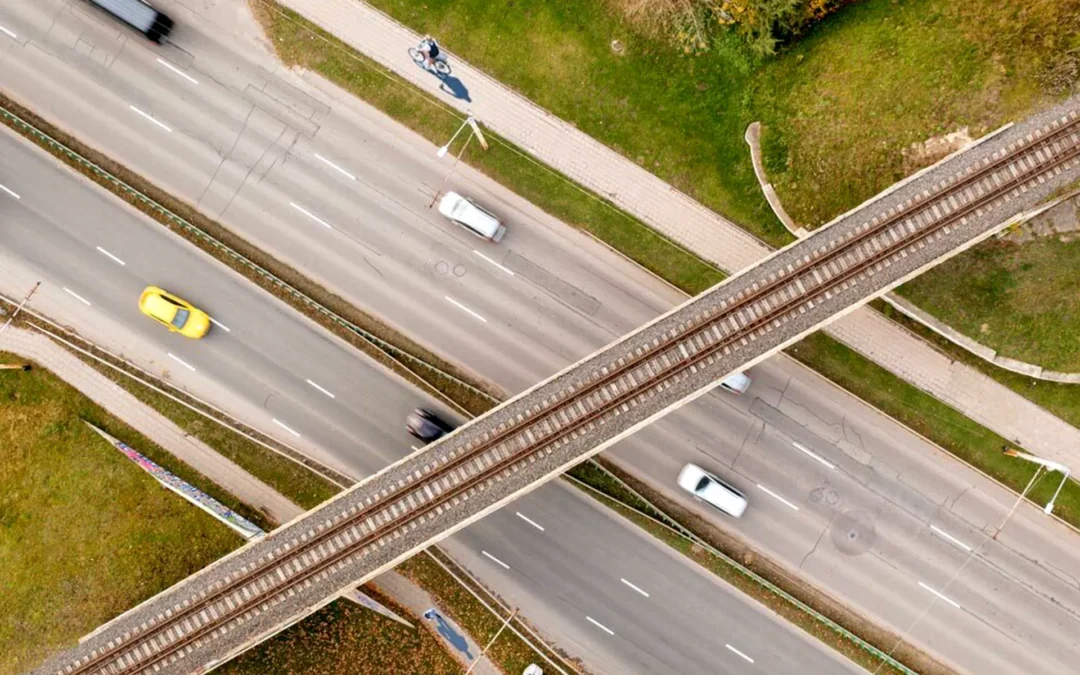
(773,314)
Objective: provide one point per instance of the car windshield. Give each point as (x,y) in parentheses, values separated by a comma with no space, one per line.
(181,317)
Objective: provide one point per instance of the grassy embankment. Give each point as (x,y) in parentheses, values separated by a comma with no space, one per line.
(84,533)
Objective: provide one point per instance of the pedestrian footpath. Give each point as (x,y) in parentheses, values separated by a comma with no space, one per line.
(119,402)
(677,216)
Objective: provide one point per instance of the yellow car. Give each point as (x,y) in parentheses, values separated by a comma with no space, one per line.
(180,316)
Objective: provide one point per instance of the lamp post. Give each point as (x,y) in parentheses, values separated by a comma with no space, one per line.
(1049,466)
(442,150)
(19,308)
(446,148)
(491,642)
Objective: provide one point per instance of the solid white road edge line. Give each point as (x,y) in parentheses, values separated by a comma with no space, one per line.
(529,520)
(634,587)
(151,118)
(181,361)
(311,215)
(504,269)
(321,389)
(776,496)
(76,296)
(951,538)
(178,71)
(335,166)
(220,325)
(943,597)
(463,307)
(814,455)
(115,259)
(277,422)
(13,35)
(739,653)
(10,192)
(497,561)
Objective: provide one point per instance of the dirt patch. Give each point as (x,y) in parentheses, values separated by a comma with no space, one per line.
(933,149)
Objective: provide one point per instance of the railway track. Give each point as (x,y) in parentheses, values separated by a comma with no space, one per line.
(702,337)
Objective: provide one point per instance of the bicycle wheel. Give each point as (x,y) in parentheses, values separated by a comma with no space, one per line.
(416,55)
(442,67)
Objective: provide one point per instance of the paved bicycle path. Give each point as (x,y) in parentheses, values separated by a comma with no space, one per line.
(638,192)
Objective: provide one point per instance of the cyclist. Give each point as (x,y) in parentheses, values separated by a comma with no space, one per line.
(430,49)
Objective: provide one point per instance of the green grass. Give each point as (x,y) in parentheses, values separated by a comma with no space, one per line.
(839,107)
(346,639)
(509,652)
(297,44)
(939,45)
(843,106)
(1060,399)
(85,534)
(298,483)
(1020,300)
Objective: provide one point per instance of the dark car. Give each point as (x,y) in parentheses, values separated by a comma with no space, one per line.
(426,425)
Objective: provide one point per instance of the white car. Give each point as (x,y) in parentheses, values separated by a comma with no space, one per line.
(711,490)
(474,218)
(736,383)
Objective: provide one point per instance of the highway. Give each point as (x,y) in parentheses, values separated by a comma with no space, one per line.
(269,352)
(385,251)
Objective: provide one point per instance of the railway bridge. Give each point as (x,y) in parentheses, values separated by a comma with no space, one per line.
(270,583)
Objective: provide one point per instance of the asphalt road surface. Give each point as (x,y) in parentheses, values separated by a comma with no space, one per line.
(872,514)
(94,256)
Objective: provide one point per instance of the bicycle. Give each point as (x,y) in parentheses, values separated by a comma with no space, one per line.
(441,66)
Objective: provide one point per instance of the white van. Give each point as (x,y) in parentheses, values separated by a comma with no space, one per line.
(711,490)
(737,383)
(474,218)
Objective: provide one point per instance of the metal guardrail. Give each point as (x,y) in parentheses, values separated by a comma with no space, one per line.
(670,523)
(396,354)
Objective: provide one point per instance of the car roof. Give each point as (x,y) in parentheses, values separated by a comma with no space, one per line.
(715,491)
(458,208)
(160,307)
(737,382)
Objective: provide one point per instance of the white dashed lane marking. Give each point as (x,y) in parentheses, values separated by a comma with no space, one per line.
(819,458)
(114,258)
(10,192)
(776,496)
(286,428)
(76,296)
(634,587)
(529,520)
(321,389)
(463,308)
(497,561)
(311,215)
(951,538)
(739,653)
(504,269)
(181,361)
(940,595)
(178,71)
(5,30)
(151,118)
(220,325)
(600,625)
(334,166)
